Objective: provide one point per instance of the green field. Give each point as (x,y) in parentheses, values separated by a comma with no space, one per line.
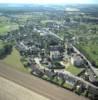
(13,60)
(47,21)
(7,27)
(74,70)
(92,50)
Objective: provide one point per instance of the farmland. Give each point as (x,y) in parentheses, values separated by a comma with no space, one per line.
(6,25)
(13,60)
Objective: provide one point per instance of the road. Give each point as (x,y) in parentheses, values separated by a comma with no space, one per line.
(37,60)
(37,85)
(95,70)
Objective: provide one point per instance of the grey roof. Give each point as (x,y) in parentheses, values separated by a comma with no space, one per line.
(55,48)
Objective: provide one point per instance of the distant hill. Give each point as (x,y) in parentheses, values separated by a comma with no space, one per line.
(4,7)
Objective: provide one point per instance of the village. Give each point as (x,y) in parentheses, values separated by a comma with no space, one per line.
(54,59)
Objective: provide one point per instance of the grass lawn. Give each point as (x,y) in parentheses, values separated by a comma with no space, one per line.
(74,70)
(13,60)
(66,85)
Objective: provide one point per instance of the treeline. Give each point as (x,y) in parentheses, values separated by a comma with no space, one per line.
(5,50)
(87,55)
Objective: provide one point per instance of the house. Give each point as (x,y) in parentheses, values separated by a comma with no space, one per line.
(54,52)
(34,49)
(50,74)
(76,60)
(44,61)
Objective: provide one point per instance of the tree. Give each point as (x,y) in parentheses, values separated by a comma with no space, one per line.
(5,50)
(8,48)
(1,53)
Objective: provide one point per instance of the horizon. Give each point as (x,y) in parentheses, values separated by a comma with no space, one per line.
(49,2)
